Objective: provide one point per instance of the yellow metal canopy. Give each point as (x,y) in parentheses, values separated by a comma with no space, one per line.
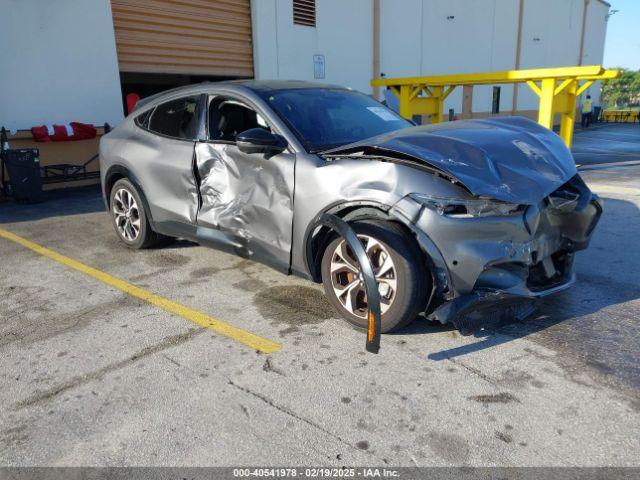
(557,89)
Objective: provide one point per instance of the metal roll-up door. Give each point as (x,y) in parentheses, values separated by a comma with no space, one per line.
(192,37)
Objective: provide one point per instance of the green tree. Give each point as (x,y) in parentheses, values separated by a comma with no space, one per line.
(622,91)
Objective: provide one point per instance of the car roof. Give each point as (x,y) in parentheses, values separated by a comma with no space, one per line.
(258,86)
(274,85)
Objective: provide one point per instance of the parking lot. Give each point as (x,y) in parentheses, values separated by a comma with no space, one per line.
(96,375)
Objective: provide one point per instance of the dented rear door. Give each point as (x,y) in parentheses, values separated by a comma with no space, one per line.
(164,157)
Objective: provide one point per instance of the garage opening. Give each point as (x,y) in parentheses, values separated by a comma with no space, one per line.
(163,44)
(147,84)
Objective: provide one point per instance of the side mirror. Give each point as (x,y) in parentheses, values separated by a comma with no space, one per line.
(259,140)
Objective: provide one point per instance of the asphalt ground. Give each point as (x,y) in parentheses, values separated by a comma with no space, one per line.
(101,374)
(607,143)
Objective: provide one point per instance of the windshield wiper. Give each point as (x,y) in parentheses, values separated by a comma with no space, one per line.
(325,148)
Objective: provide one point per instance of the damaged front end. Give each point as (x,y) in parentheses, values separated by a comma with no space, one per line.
(498,254)
(511,234)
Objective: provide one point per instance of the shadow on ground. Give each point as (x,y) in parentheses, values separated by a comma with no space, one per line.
(57,203)
(593,322)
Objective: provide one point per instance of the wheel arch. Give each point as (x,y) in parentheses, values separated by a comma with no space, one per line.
(317,238)
(118,172)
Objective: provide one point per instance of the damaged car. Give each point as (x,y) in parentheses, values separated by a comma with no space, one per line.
(460,220)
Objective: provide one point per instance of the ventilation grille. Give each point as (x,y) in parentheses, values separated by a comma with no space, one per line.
(304,12)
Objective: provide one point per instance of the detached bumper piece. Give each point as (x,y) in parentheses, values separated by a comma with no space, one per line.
(374,314)
(471,312)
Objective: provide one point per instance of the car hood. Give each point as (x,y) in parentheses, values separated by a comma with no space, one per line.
(512,159)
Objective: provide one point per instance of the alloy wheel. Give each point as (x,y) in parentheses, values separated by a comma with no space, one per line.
(126,214)
(347,280)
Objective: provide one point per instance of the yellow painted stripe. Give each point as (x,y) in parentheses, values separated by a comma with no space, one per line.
(199,318)
(601,188)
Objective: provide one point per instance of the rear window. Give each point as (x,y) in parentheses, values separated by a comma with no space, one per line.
(177,118)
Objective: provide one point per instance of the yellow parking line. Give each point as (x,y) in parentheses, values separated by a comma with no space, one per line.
(199,318)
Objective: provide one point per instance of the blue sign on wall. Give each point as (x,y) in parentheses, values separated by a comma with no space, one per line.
(318,66)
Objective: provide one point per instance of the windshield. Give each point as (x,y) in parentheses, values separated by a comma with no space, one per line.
(327,118)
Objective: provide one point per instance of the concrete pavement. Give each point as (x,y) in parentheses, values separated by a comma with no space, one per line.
(92,376)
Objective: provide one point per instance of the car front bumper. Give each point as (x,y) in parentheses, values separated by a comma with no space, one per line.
(482,262)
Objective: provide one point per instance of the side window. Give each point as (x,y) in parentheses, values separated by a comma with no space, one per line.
(143,119)
(229,117)
(177,118)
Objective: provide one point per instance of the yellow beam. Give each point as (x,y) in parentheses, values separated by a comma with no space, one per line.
(448,91)
(534,86)
(557,89)
(584,86)
(563,85)
(606,75)
(507,76)
(415,92)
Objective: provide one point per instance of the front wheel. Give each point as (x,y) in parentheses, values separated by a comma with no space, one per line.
(399,268)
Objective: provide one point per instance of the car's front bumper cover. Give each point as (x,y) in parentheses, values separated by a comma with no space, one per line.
(479,262)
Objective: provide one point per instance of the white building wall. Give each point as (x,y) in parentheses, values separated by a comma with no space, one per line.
(401,53)
(480,38)
(551,32)
(343,34)
(58,62)
(594,39)
(420,37)
(60,65)
(451,36)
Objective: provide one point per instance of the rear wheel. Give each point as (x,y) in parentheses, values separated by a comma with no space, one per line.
(400,273)
(129,217)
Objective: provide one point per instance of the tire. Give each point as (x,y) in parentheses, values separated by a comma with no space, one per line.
(412,282)
(131,221)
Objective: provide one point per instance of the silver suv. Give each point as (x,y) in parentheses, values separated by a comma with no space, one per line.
(456,218)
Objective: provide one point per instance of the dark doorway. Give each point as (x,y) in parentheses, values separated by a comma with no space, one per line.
(147,84)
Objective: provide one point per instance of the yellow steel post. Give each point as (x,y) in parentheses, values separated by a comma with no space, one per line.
(405,101)
(547,94)
(436,93)
(568,119)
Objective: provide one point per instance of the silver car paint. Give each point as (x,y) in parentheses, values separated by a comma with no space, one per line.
(267,208)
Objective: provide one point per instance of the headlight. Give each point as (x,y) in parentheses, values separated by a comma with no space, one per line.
(459,208)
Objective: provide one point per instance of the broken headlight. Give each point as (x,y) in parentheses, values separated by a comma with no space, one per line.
(459,208)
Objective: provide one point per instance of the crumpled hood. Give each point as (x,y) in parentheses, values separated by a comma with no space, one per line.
(511,158)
